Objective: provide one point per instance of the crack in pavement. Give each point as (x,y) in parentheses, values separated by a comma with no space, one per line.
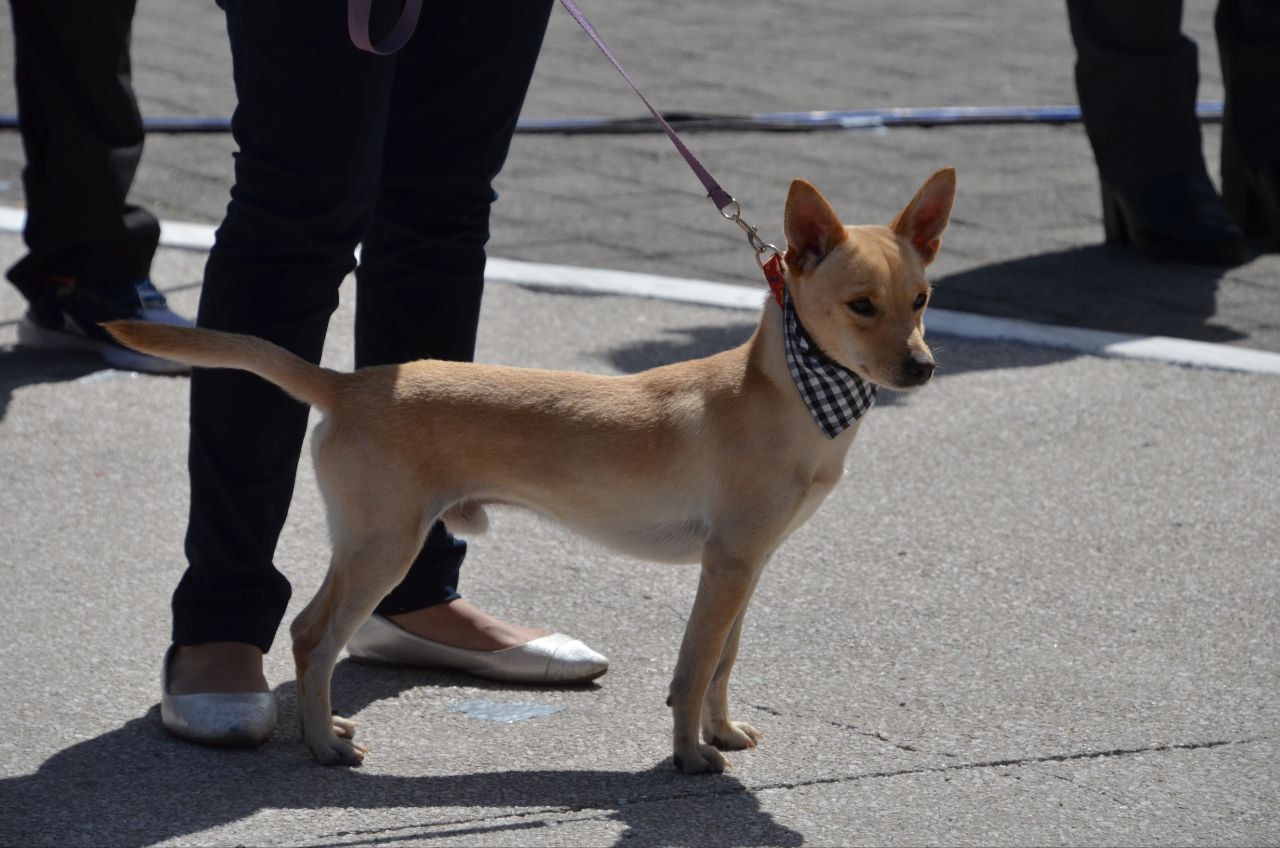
(611,808)
(872,734)
(875,734)
(1018,761)
(1090,789)
(464,827)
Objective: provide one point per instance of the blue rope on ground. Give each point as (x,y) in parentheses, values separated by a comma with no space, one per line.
(850,119)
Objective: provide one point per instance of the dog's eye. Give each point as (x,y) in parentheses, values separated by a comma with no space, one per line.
(862,306)
(921,300)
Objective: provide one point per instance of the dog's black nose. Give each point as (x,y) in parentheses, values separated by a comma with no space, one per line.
(918,371)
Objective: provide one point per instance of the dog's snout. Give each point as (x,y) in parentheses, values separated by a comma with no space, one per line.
(918,371)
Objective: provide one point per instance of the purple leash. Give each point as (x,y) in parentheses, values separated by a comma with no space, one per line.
(358,12)
(721,198)
(724,201)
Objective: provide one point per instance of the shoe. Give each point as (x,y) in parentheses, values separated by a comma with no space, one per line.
(553,660)
(1250,193)
(230,719)
(69,318)
(1252,196)
(1178,217)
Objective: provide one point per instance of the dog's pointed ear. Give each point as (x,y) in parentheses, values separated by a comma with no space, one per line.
(926,216)
(811,225)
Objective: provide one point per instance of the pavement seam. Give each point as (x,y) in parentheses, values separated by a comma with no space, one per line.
(431,829)
(1020,761)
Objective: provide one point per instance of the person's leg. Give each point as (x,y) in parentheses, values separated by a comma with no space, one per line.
(422,270)
(459,87)
(1249,47)
(1136,76)
(82,134)
(89,250)
(309,121)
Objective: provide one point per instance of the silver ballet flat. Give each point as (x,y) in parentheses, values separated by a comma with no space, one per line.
(555,659)
(231,719)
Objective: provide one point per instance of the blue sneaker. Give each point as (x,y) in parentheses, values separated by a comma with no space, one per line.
(69,319)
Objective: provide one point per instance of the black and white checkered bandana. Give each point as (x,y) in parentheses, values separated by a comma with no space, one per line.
(836,397)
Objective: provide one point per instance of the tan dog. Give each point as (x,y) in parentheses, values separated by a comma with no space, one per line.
(715,460)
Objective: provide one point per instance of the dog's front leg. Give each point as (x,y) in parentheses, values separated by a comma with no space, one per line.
(717,728)
(723,592)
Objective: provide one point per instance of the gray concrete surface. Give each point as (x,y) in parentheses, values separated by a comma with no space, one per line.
(1041,609)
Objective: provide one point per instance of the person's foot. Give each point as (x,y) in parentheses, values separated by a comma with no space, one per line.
(1252,195)
(237,666)
(459,624)
(68,315)
(216,667)
(216,694)
(459,636)
(1250,190)
(1177,217)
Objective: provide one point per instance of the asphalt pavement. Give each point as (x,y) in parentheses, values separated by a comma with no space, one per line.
(1041,608)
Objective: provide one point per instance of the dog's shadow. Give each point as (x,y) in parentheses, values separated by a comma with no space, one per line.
(137,785)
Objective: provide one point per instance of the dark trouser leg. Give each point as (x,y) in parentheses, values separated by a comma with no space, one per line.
(422,269)
(1249,46)
(82,134)
(1136,76)
(309,126)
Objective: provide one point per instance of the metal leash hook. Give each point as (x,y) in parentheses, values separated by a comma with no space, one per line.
(732,211)
(772,266)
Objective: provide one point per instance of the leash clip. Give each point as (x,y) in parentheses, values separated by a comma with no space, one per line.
(771,265)
(732,211)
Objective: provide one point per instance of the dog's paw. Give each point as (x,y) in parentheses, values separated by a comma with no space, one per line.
(344,727)
(732,735)
(701,759)
(335,751)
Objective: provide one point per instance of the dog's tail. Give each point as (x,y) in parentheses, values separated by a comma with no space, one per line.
(215,349)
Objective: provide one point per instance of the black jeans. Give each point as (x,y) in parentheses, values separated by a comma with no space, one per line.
(82,134)
(339,147)
(1136,75)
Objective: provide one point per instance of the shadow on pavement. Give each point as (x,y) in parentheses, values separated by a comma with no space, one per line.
(693,342)
(1098,287)
(679,345)
(20,367)
(137,785)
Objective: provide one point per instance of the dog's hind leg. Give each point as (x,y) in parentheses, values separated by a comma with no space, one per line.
(366,565)
(723,592)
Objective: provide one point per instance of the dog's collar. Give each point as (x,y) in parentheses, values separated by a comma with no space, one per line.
(835,396)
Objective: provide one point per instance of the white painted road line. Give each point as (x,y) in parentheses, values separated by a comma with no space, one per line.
(569,278)
(1104,343)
